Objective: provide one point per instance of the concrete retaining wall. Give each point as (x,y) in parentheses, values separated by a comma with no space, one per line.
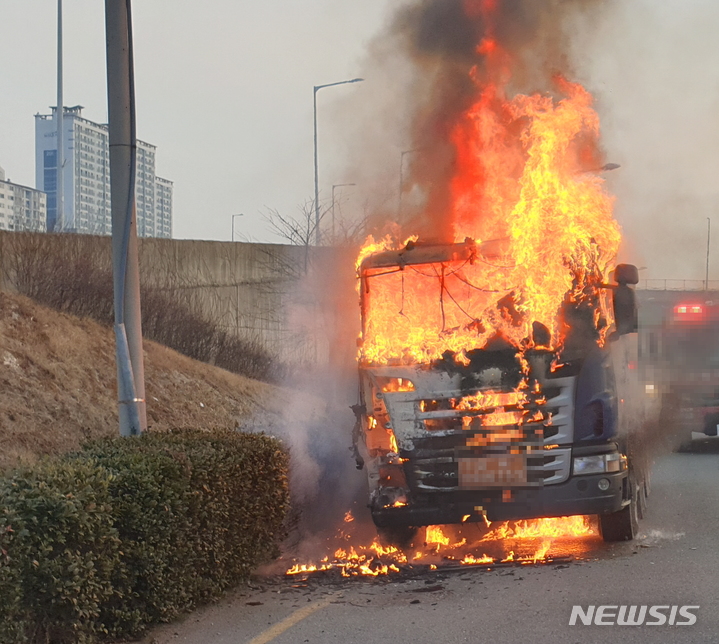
(248,289)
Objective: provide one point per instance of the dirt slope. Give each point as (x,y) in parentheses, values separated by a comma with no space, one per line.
(58,385)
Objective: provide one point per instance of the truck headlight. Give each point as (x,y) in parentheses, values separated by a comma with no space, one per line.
(599,464)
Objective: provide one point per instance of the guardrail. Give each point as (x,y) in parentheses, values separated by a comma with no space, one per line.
(678,285)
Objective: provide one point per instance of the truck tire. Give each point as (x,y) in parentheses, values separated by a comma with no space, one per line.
(624,524)
(398,536)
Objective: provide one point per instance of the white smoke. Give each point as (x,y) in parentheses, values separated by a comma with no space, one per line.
(654,70)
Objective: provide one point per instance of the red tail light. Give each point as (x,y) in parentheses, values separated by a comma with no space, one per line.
(690,312)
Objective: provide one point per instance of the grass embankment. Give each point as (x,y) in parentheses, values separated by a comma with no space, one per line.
(58,386)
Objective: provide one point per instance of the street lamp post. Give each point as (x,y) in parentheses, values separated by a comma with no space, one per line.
(317,88)
(242,214)
(337,185)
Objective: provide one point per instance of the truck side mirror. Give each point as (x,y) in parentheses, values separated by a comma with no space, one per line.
(624,299)
(626,274)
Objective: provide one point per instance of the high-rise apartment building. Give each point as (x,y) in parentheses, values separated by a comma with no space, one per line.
(86,202)
(163,207)
(21,208)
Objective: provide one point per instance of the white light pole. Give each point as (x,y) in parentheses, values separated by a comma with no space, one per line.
(337,185)
(242,214)
(317,88)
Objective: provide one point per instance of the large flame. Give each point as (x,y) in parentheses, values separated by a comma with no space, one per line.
(526,191)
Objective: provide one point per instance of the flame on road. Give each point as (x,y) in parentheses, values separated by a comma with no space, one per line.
(521,542)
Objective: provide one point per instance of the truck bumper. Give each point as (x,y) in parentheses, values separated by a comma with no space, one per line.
(578,495)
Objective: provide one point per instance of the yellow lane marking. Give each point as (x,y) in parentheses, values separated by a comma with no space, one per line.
(290,621)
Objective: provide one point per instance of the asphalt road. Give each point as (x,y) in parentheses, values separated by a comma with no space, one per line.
(674,562)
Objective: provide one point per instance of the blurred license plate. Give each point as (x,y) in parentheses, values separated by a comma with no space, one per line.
(492,471)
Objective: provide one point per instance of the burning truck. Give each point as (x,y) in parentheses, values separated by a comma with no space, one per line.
(498,366)
(497,431)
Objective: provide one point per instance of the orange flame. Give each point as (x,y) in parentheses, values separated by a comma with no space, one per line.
(375,559)
(574,526)
(471,560)
(542,552)
(434,535)
(520,181)
(393,442)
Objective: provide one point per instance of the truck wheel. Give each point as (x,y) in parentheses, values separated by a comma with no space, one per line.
(398,536)
(622,525)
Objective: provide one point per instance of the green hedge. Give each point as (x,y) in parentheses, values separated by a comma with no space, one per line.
(131,532)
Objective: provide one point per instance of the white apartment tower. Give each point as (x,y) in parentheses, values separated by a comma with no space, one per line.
(21,208)
(86,203)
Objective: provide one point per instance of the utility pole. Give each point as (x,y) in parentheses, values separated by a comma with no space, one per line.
(123,165)
(59,118)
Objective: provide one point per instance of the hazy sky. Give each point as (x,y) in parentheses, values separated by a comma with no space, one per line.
(224,89)
(654,67)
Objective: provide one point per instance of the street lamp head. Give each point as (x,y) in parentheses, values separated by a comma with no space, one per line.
(344,82)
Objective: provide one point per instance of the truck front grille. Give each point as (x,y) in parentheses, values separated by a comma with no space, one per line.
(452,439)
(440,472)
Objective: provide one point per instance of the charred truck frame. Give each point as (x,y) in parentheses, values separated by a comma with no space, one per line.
(503,433)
